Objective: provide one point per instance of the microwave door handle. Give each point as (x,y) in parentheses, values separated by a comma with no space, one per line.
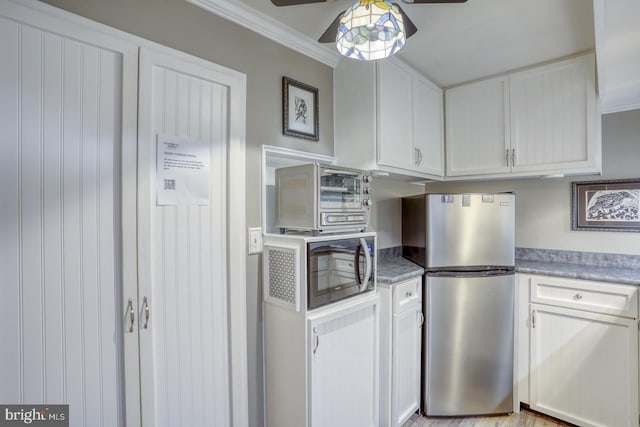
(367,257)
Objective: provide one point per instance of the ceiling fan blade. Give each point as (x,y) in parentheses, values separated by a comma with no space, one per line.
(295,2)
(432,1)
(329,35)
(409,27)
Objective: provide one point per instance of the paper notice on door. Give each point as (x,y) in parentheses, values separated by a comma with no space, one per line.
(182,171)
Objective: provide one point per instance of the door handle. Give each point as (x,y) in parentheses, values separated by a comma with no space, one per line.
(533,319)
(513,157)
(420,319)
(145,305)
(132,314)
(506,157)
(316,340)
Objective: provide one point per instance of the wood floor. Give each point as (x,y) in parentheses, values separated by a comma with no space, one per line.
(523,419)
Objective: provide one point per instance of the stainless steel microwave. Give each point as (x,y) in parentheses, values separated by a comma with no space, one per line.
(338,269)
(322,198)
(304,272)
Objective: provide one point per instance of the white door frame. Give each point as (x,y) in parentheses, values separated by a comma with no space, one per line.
(68,24)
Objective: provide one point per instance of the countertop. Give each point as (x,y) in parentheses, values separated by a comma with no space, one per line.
(397,269)
(393,270)
(627,276)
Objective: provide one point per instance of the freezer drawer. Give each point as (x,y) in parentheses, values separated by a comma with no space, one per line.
(470,348)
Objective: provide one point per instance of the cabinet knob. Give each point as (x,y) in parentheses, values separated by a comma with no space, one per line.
(409,294)
(577,296)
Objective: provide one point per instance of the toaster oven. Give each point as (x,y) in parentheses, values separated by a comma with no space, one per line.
(322,198)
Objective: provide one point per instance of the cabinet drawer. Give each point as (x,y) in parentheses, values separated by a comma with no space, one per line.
(598,297)
(407,294)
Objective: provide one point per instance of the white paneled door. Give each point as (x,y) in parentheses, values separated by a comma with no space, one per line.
(129,312)
(185,347)
(63,125)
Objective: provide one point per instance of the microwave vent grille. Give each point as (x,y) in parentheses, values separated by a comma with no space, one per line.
(282,276)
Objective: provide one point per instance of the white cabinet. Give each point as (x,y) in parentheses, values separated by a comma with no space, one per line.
(394,117)
(400,350)
(321,367)
(477,127)
(618,54)
(555,119)
(343,382)
(428,127)
(540,121)
(388,117)
(584,351)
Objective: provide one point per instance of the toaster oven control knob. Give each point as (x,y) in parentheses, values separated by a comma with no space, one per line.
(366,178)
(366,190)
(367,202)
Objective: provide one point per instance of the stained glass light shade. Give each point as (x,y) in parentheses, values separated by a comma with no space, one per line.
(370,29)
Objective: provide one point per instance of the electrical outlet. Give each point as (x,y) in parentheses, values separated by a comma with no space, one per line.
(255,240)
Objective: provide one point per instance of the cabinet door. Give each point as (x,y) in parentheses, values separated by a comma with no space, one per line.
(394,119)
(584,366)
(554,117)
(407,328)
(344,368)
(428,136)
(186,370)
(68,109)
(477,128)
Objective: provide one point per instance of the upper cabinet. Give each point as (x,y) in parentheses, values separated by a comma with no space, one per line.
(389,118)
(541,121)
(478,140)
(618,54)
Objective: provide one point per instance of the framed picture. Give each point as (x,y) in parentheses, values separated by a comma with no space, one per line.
(606,205)
(299,110)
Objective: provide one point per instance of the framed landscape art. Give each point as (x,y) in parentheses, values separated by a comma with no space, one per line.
(606,205)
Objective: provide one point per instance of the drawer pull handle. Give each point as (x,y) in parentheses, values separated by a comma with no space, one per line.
(577,296)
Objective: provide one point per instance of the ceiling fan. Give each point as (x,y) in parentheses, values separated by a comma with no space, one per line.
(382,35)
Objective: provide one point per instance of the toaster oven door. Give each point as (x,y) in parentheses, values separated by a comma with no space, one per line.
(340,189)
(339,269)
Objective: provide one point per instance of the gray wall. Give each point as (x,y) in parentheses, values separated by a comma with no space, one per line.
(543,206)
(178,24)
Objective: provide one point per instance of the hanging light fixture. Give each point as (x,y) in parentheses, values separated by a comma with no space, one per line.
(371,29)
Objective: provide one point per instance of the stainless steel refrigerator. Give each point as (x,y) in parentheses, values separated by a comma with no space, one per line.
(465,242)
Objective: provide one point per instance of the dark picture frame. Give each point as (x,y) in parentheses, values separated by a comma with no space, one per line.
(612,205)
(299,110)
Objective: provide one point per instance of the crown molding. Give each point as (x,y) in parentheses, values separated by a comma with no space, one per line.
(271,28)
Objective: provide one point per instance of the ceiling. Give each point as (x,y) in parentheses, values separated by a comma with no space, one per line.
(456,43)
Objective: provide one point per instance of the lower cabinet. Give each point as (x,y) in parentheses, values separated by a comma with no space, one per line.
(583,364)
(343,367)
(321,366)
(400,345)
